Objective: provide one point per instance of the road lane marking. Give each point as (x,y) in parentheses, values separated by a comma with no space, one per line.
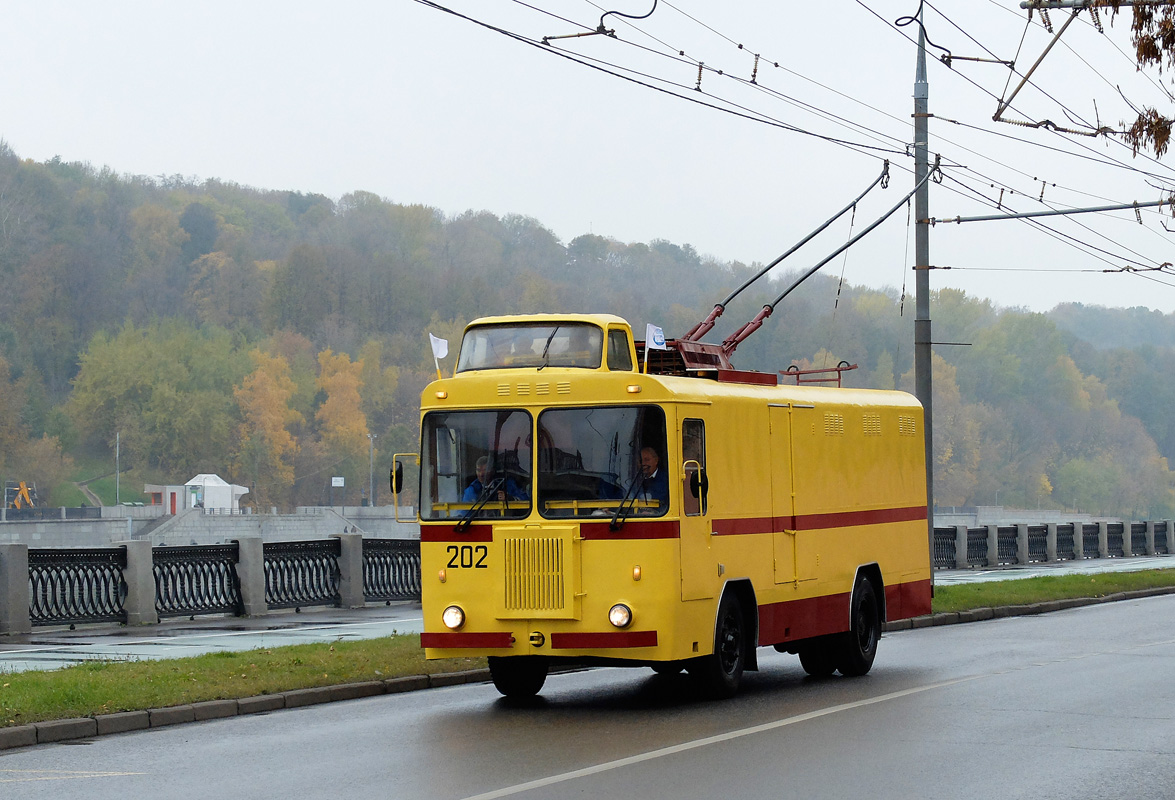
(30,775)
(174,640)
(710,740)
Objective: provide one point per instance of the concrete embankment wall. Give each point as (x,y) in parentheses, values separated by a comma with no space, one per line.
(69,533)
(194,526)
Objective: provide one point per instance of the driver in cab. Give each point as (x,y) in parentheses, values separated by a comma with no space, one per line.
(508,490)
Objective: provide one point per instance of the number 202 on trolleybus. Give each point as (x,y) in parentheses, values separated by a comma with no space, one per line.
(576,509)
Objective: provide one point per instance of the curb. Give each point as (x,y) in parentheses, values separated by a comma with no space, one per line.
(1000,612)
(121,722)
(59,730)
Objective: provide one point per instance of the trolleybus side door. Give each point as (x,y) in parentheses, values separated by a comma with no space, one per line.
(783,491)
(697,559)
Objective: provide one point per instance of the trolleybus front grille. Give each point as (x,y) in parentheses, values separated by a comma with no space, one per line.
(535,574)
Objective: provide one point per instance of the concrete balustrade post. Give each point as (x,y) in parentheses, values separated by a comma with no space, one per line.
(1022,556)
(350,570)
(14,589)
(1103,540)
(251,574)
(1078,541)
(1150,538)
(993,545)
(961,547)
(140,584)
(1050,542)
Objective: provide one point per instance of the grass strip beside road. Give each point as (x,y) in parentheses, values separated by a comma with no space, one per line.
(105,687)
(1025,591)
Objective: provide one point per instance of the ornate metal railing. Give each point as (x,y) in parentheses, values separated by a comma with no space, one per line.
(1089,539)
(77,585)
(83,512)
(1006,545)
(944,548)
(201,579)
(1137,538)
(391,569)
(977,548)
(302,573)
(1116,540)
(1065,544)
(40,513)
(1038,543)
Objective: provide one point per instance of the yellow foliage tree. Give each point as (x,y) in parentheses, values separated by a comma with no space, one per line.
(342,425)
(267,448)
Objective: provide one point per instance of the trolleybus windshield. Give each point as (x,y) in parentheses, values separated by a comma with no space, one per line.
(565,344)
(596,462)
(476,464)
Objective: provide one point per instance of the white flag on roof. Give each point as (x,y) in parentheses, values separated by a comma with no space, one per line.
(654,338)
(440,347)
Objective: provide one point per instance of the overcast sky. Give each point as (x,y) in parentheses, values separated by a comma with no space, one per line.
(420,106)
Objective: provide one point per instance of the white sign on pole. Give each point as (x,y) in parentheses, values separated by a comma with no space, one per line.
(337,480)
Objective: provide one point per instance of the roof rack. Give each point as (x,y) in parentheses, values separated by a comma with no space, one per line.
(826,375)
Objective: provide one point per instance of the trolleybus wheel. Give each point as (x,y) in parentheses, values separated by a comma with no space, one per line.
(859,646)
(720,673)
(518,676)
(818,659)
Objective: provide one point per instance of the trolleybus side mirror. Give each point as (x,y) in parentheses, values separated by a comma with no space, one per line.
(396,477)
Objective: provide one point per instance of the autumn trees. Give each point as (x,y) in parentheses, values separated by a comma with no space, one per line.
(263,335)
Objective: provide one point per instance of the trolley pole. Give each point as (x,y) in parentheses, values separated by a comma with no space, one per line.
(922,337)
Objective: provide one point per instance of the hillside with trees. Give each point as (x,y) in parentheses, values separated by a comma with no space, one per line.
(262,335)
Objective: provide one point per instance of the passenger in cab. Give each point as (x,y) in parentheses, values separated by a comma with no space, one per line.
(654,481)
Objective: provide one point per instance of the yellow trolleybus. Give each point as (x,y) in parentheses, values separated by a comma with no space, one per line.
(574,508)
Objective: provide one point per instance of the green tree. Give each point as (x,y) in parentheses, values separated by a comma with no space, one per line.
(167,389)
(202,226)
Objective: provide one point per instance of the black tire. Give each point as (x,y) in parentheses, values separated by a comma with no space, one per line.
(719,674)
(818,659)
(518,677)
(858,647)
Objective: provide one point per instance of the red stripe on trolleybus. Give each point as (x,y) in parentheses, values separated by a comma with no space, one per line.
(585,641)
(459,639)
(801,619)
(815,522)
(445,533)
(848,519)
(735,527)
(632,529)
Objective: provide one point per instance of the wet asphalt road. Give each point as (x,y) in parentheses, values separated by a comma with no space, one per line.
(1074,704)
(50,648)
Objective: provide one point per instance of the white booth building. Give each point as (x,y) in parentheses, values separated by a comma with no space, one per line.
(203,491)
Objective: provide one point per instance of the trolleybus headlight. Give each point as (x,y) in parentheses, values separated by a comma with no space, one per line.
(453,617)
(620,615)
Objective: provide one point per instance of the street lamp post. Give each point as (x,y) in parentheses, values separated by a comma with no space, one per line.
(371,468)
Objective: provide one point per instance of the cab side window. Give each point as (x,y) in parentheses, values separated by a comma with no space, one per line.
(693,473)
(619,356)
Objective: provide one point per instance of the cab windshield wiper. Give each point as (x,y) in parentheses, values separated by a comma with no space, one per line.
(487,491)
(621,515)
(547,347)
